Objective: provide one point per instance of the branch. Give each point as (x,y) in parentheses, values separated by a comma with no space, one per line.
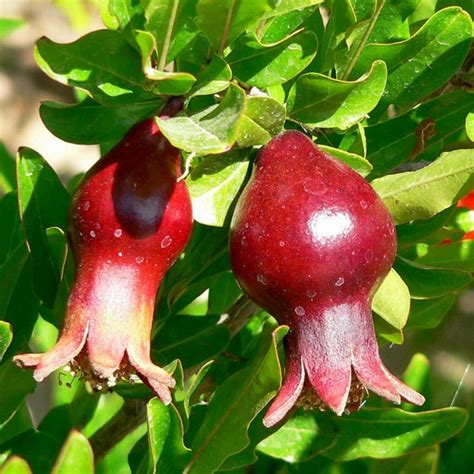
(363,40)
(130,416)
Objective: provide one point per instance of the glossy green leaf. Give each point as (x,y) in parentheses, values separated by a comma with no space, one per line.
(227,19)
(422,194)
(12,233)
(387,433)
(320,101)
(192,339)
(9,25)
(423,63)
(16,384)
(286,6)
(456,255)
(90,123)
(264,118)
(10,271)
(392,300)
(420,130)
(470,126)
(43,203)
(76,456)
(302,437)
(356,162)
(214,184)
(16,465)
(6,337)
(264,65)
(7,170)
(235,403)
(215,77)
(165,437)
(223,293)
(281,26)
(386,332)
(428,282)
(212,130)
(102,63)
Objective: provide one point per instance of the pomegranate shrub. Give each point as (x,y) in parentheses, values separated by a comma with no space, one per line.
(282,201)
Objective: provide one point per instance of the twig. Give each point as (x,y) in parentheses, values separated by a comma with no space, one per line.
(363,40)
(167,40)
(131,416)
(225,33)
(239,314)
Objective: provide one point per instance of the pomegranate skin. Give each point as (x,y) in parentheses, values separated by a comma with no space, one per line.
(130,220)
(310,242)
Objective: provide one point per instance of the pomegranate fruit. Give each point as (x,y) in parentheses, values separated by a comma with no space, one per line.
(130,220)
(310,242)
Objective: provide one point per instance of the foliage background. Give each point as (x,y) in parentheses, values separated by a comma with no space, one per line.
(448,346)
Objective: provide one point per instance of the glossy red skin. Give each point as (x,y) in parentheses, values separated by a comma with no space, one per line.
(310,242)
(130,220)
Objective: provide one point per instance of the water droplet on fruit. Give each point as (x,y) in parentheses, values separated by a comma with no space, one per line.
(340,281)
(87,206)
(120,254)
(92,233)
(363,204)
(310,293)
(299,310)
(369,256)
(166,242)
(139,259)
(262,279)
(281,243)
(118,233)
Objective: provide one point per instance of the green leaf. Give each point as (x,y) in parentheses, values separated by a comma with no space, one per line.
(212,130)
(214,184)
(10,271)
(427,282)
(456,255)
(16,465)
(358,163)
(215,77)
(422,194)
(90,123)
(424,461)
(320,101)
(286,6)
(165,437)
(8,25)
(470,126)
(264,118)
(421,130)
(6,337)
(302,437)
(12,234)
(392,300)
(16,384)
(102,63)
(417,376)
(263,65)
(223,293)
(76,456)
(387,433)
(192,339)
(222,21)
(423,63)
(235,403)
(386,332)
(7,170)
(43,203)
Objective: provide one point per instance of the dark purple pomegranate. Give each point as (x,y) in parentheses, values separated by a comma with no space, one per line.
(310,242)
(130,221)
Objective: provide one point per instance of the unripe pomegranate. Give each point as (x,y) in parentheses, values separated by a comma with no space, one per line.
(130,221)
(310,242)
